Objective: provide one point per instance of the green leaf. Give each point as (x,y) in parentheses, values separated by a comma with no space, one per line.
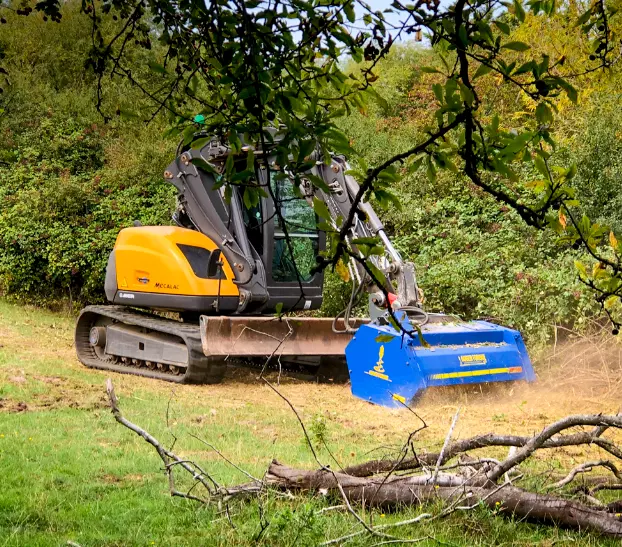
(543,113)
(278,309)
(239,176)
(431,170)
(250,160)
(156,67)
(524,68)
(570,90)
(188,134)
(430,70)
(382,102)
(422,340)
(389,174)
(438,92)
(247,198)
(466,94)
(203,165)
(229,166)
(349,11)
(516,46)
(414,166)
(503,27)
(519,12)
(319,183)
(462,35)
(585,16)
(385,199)
(481,71)
(321,209)
(518,143)
(305,148)
(541,166)
(377,276)
(383,338)
(200,142)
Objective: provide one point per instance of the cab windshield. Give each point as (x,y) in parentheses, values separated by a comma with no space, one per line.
(297,219)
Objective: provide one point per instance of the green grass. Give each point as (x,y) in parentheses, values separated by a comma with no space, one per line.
(68,471)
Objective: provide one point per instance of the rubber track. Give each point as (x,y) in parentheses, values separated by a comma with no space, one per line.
(200,369)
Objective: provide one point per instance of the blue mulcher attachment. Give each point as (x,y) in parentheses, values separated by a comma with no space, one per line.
(391,369)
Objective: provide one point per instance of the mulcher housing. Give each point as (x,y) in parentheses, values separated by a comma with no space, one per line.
(390,368)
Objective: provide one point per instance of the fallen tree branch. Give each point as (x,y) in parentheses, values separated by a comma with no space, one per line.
(374,467)
(507,500)
(584,468)
(473,484)
(171,460)
(537,441)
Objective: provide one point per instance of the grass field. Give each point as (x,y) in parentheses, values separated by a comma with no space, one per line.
(69,472)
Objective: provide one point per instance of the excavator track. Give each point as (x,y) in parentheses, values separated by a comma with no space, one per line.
(122,340)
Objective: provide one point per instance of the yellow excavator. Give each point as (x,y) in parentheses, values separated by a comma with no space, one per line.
(230,270)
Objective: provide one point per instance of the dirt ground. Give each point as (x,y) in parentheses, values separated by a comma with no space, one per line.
(578,376)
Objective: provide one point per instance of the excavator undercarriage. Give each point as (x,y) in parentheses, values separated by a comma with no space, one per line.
(124,340)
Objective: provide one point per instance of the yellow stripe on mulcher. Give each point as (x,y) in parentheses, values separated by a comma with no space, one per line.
(378,375)
(447,375)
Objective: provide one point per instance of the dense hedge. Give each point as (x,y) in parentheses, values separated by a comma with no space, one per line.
(66,194)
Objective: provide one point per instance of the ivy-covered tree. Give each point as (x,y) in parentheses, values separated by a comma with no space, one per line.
(246,65)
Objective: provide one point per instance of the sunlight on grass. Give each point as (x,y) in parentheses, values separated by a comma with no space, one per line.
(70,472)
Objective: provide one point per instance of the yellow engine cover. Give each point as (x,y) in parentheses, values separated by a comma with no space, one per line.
(149,259)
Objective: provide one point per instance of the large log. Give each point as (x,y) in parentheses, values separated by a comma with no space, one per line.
(505,499)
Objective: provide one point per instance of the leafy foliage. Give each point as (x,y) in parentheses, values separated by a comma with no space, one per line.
(68,183)
(427,130)
(61,208)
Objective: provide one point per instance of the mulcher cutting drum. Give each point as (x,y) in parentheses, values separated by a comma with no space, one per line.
(391,369)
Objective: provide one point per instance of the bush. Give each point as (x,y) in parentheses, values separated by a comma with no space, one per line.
(63,200)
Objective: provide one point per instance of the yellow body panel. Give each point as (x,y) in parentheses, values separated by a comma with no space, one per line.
(149,260)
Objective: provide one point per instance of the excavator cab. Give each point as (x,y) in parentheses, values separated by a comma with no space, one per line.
(223,256)
(284,232)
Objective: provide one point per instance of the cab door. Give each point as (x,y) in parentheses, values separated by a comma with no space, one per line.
(292,242)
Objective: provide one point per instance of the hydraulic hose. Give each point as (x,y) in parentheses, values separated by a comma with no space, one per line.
(348,328)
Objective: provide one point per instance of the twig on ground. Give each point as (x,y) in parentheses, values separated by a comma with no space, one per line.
(415,520)
(302,425)
(225,458)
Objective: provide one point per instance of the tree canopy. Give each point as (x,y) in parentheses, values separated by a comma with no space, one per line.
(304,64)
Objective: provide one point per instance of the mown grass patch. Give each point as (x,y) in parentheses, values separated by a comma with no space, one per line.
(70,472)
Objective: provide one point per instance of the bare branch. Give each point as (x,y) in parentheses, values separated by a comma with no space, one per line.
(538,441)
(584,468)
(447,437)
